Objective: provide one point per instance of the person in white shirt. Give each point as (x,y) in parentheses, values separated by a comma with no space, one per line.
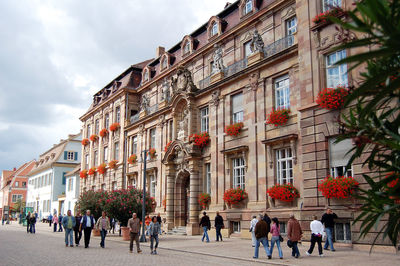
(252,227)
(317,229)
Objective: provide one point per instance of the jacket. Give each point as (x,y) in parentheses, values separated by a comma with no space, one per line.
(275,230)
(219,221)
(205,221)
(84,221)
(261,229)
(268,221)
(253,223)
(294,231)
(328,219)
(154,229)
(55,220)
(65,221)
(28,219)
(77,222)
(134,225)
(98,223)
(32,219)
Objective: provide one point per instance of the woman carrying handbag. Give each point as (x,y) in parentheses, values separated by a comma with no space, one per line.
(276,237)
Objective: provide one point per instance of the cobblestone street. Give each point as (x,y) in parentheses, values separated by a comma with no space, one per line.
(47,248)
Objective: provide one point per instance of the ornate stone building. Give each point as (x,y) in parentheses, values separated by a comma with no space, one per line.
(251,58)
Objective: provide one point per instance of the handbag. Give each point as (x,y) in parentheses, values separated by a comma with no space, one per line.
(280,238)
(289,243)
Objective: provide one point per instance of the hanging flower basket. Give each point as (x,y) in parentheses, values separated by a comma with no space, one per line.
(278,117)
(85,142)
(83,173)
(204,200)
(114,127)
(340,187)
(103,132)
(113,164)
(92,171)
(132,159)
(101,169)
(234,196)
(152,153)
(286,192)
(332,98)
(234,130)
(323,17)
(167,146)
(201,140)
(94,138)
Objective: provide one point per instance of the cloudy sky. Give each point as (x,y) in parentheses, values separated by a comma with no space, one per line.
(54,55)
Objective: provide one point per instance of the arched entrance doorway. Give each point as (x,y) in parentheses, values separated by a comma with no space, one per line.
(182,199)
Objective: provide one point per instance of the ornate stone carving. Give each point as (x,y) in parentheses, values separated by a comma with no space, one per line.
(181,162)
(141,129)
(218,64)
(183,124)
(161,120)
(183,83)
(145,103)
(253,80)
(165,90)
(256,43)
(215,97)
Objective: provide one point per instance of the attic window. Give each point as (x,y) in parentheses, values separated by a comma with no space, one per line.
(214,29)
(248,7)
(186,48)
(164,63)
(146,75)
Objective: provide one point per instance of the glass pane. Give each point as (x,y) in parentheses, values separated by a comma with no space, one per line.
(339,231)
(348,232)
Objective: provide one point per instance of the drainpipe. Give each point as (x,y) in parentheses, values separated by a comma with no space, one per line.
(125,144)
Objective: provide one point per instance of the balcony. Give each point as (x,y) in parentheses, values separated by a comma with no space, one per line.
(152,109)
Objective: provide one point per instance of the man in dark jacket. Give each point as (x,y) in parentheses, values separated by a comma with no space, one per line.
(294,234)
(219,224)
(268,221)
(329,223)
(87,223)
(261,232)
(60,217)
(206,224)
(28,222)
(32,221)
(77,232)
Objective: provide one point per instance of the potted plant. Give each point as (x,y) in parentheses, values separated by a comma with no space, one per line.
(167,146)
(92,171)
(204,200)
(83,173)
(132,159)
(278,117)
(233,196)
(103,132)
(94,137)
(114,127)
(332,98)
(101,169)
(201,140)
(234,129)
(284,192)
(323,17)
(113,164)
(152,153)
(338,187)
(85,142)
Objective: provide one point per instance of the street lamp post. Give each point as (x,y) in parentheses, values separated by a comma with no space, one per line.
(143,236)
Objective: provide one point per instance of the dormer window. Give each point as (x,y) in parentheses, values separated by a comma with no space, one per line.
(164,63)
(186,48)
(146,75)
(214,29)
(248,7)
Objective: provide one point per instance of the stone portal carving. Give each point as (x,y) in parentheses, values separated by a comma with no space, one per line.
(256,43)
(218,64)
(183,124)
(165,90)
(183,83)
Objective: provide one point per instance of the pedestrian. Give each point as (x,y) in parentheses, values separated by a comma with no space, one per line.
(261,231)
(87,224)
(134,228)
(206,225)
(219,224)
(253,223)
(328,220)
(50,219)
(154,231)
(69,223)
(55,222)
(77,232)
(268,221)
(60,217)
(28,222)
(103,224)
(32,221)
(276,235)
(159,219)
(294,234)
(147,222)
(112,225)
(316,236)
(2,222)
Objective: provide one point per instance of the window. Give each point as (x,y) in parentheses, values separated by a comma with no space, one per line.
(171,129)
(164,63)
(107,121)
(134,182)
(282,92)
(23,184)
(291,26)
(114,185)
(88,131)
(329,4)
(204,119)
(64,180)
(70,156)
(284,166)
(16,184)
(105,155)
(235,227)
(152,138)
(153,183)
(186,48)
(95,158)
(146,75)
(16,197)
(69,186)
(116,151)
(93,188)
(134,145)
(339,157)
(214,29)
(282,227)
(336,74)
(87,161)
(208,178)
(118,114)
(248,7)
(103,187)
(238,172)
(97,126)
(342,232)
(246,49)
(237,108)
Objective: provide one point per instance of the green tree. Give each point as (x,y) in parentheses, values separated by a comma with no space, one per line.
(373,117)
(19,205)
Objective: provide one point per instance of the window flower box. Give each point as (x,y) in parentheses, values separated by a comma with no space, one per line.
(94,138)
(234,129)
(103,132)
(101,169)
(201,140)
(167,146)
(92,171)
(285,192)
(132,159)
(324,17)
(278,117)
(152,153)
(204,200)
(83,174)
(338,187)
(114,127)
(113,164)
(85,142)
(332,98)
(234,196)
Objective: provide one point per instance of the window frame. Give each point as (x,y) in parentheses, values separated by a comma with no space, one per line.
(248,4)
(214,29)
(134,145)
(345,231)
(70,156)
(207,170)
(204,119)
(289,27)
(118,114)
(279,163)
(152,185)
(152,138)
(97,126)
(186,48)
(342,70)
(246,49)
(282,92)
(238,172)
(237,116)
(17,197)
(116,150)
(107,120)
(105,154)
(328,6)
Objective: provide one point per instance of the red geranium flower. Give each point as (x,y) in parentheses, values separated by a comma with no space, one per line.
(331,99)
(94,137)
(278,117)
(285,192)
(83,174)
(103,132)
(340,187)
(234,130)
(200,140)
(114,126)
(132,159)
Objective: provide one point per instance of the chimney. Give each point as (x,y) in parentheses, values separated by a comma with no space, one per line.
(160,50)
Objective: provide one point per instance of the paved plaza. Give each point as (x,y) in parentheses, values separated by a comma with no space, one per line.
(48,248)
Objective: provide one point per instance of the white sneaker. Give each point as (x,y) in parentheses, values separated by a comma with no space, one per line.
(321,255)
(308,254)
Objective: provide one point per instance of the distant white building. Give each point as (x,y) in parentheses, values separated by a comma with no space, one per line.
(48,179)
(72,189)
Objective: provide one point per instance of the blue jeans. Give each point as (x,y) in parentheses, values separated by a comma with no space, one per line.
(275,239)
(103,234)
(152,238)
(205,234)
(264,241)
(68,232)
(32,228)
(218,230)
(295,249)
(329,240)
